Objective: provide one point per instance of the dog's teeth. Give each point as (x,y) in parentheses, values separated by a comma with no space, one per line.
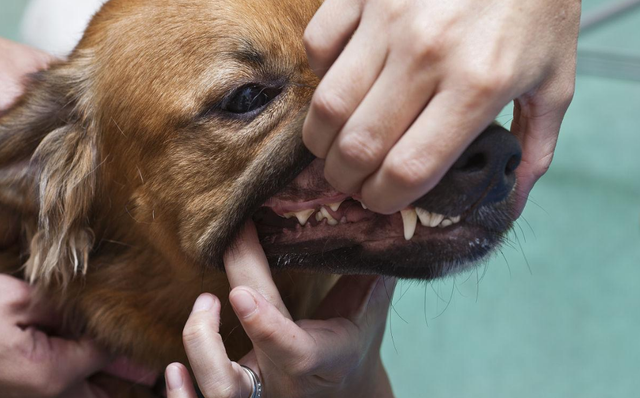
(455,219)
(446,222)
(324,213)
(409,220)
(435,219)
(424,216)
(335,206)
(302,215)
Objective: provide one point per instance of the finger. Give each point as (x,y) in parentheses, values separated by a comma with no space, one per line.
(393,103)
(16,294)
(178,382)
(329,31)
(60,363)
(23,306)
(247,265)
(343,88)
(205,349)
(537,131)
(273,335)
(427,150)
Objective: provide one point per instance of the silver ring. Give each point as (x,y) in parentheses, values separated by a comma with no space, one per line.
(256,388)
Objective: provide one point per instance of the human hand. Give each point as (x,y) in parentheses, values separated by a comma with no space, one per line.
(16,61)
(408,85)
(335,355)
(33,363)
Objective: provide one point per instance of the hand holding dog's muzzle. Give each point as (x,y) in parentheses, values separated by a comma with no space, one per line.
(336,354)
(408,85)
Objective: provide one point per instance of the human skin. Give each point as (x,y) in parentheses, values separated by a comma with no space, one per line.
(337,354)
(407,85)
(17,61)
(35,363)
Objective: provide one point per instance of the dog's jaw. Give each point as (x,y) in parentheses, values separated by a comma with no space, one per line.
(310,225)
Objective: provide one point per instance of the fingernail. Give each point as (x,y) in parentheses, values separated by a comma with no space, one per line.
(174,377)
(203,303)
(243,302)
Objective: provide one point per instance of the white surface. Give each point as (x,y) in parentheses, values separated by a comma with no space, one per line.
(56,26)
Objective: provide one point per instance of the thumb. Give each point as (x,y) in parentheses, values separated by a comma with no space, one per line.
(536,123)
(357,297)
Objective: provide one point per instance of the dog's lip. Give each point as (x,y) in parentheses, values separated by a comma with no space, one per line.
(283,206)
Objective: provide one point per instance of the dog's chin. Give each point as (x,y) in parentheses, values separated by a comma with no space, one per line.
(310,226)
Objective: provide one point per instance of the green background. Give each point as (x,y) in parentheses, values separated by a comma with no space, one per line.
(556,314)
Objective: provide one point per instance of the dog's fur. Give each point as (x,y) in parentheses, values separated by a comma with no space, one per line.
(118,155)
(123,180)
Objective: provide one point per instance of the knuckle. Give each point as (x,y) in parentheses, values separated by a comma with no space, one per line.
(15,292)
(195,331)
(565,93)
(360,150)
(543,165)
(486,81)
(409,172)
(395,10)
(329,105)
(317,47)
(425,47)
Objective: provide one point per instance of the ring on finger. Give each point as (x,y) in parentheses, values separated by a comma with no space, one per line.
(256,385)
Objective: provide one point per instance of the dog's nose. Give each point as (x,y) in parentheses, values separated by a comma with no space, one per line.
(486,170)
(484,174)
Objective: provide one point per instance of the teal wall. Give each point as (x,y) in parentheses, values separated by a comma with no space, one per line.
(556,314)
(10,13)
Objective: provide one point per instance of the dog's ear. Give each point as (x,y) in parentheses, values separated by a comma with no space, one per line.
(48,158)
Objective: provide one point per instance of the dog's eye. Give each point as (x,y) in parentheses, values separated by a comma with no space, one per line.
(250,98)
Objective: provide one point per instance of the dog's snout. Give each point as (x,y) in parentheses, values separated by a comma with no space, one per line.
(484,174)
(486,170)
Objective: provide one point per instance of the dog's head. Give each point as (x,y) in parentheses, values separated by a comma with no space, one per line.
(174,122)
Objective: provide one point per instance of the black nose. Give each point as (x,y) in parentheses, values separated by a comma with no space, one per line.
(484,174)
(487,168)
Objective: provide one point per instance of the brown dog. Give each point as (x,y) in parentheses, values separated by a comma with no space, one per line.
(127,171)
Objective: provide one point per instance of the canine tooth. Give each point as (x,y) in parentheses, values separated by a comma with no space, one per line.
(325,214)
(303,215)
(424,216)
(436,219)
(409,221)
(363,205)
(446,222)
(455,219)
(335,206)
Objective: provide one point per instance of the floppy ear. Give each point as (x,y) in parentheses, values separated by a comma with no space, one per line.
(48,155)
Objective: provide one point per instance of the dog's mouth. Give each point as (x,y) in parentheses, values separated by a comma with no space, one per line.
(311,225)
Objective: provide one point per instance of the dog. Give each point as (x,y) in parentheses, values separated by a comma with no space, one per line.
(128,169)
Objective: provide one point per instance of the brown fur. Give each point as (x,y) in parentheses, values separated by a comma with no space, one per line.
(119,190)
